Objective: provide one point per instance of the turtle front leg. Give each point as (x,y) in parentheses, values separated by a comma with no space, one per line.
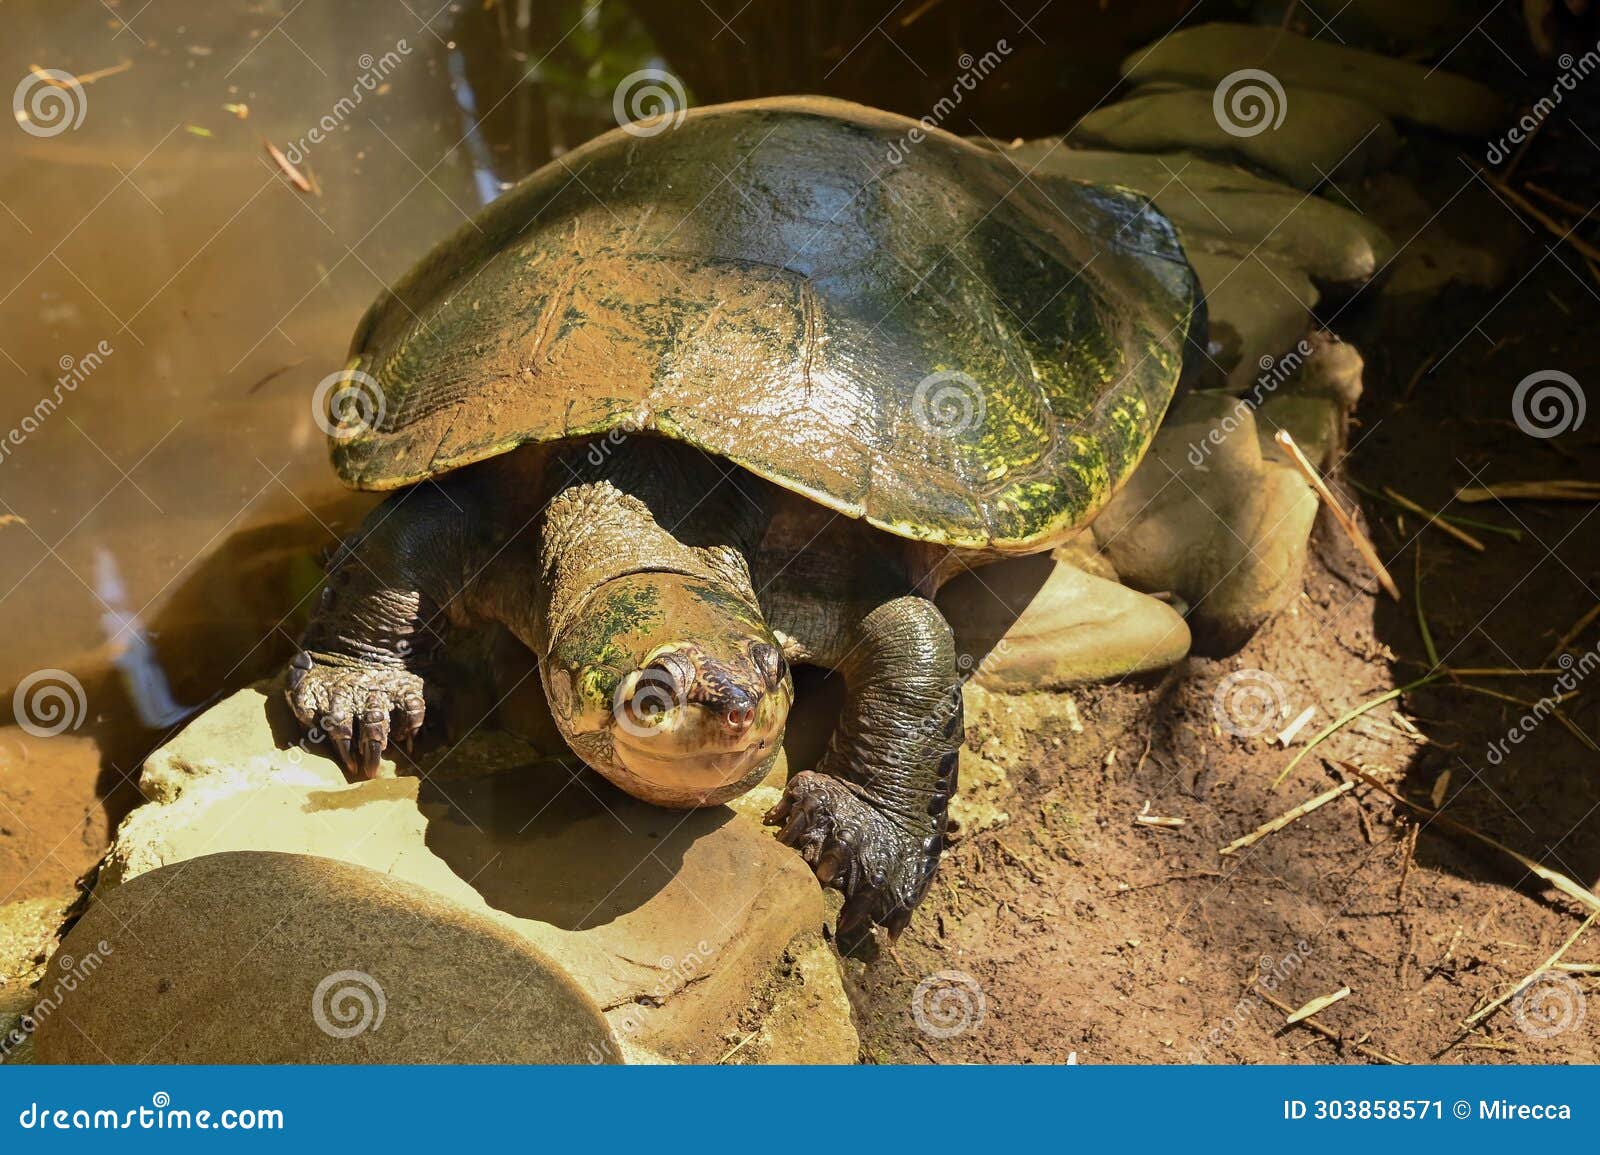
(870,819)
(358,679)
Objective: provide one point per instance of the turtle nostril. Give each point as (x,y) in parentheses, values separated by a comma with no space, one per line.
(740,719)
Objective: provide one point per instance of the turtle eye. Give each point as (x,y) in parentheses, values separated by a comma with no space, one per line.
(769,660)
(678,671)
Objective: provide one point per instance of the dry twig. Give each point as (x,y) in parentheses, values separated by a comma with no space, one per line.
(1346,522)
(1287,817)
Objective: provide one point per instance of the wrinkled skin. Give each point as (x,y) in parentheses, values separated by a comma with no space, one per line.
(665,599)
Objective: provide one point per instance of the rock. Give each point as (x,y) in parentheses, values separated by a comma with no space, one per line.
(1033,623)
(29,930)
(1315,405)
(1208,516)
(1257,305)
(28,933)
(670,921)
(1466,239)
(1205,55)
(1322,136)
(1221,209)
(979,804)
(803,1015)
(255,957)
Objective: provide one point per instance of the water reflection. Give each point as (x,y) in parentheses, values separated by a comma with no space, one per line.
(143,679)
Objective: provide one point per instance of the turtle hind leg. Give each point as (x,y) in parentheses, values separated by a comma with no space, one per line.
(870,819)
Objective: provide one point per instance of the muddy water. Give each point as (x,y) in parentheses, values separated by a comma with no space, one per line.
(170,300)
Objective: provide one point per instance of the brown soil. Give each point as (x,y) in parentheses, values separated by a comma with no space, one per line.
(52,821)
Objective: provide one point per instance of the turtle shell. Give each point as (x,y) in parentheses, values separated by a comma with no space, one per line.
(883,317)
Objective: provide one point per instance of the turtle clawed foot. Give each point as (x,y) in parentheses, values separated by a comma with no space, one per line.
(361,710)
(858,851)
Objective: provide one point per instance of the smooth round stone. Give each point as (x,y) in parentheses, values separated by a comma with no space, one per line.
(261,957)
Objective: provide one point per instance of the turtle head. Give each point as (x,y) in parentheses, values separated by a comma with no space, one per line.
(671,686)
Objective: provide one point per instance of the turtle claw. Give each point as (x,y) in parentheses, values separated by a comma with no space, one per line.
(361,710)
(855,849)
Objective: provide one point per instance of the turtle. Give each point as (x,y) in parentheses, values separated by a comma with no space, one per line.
(728,391)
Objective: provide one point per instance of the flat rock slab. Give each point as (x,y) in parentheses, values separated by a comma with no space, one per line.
(670,922)
(1321,136)
(256,957)
(671,918)
(1035,623)
(1205,55)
